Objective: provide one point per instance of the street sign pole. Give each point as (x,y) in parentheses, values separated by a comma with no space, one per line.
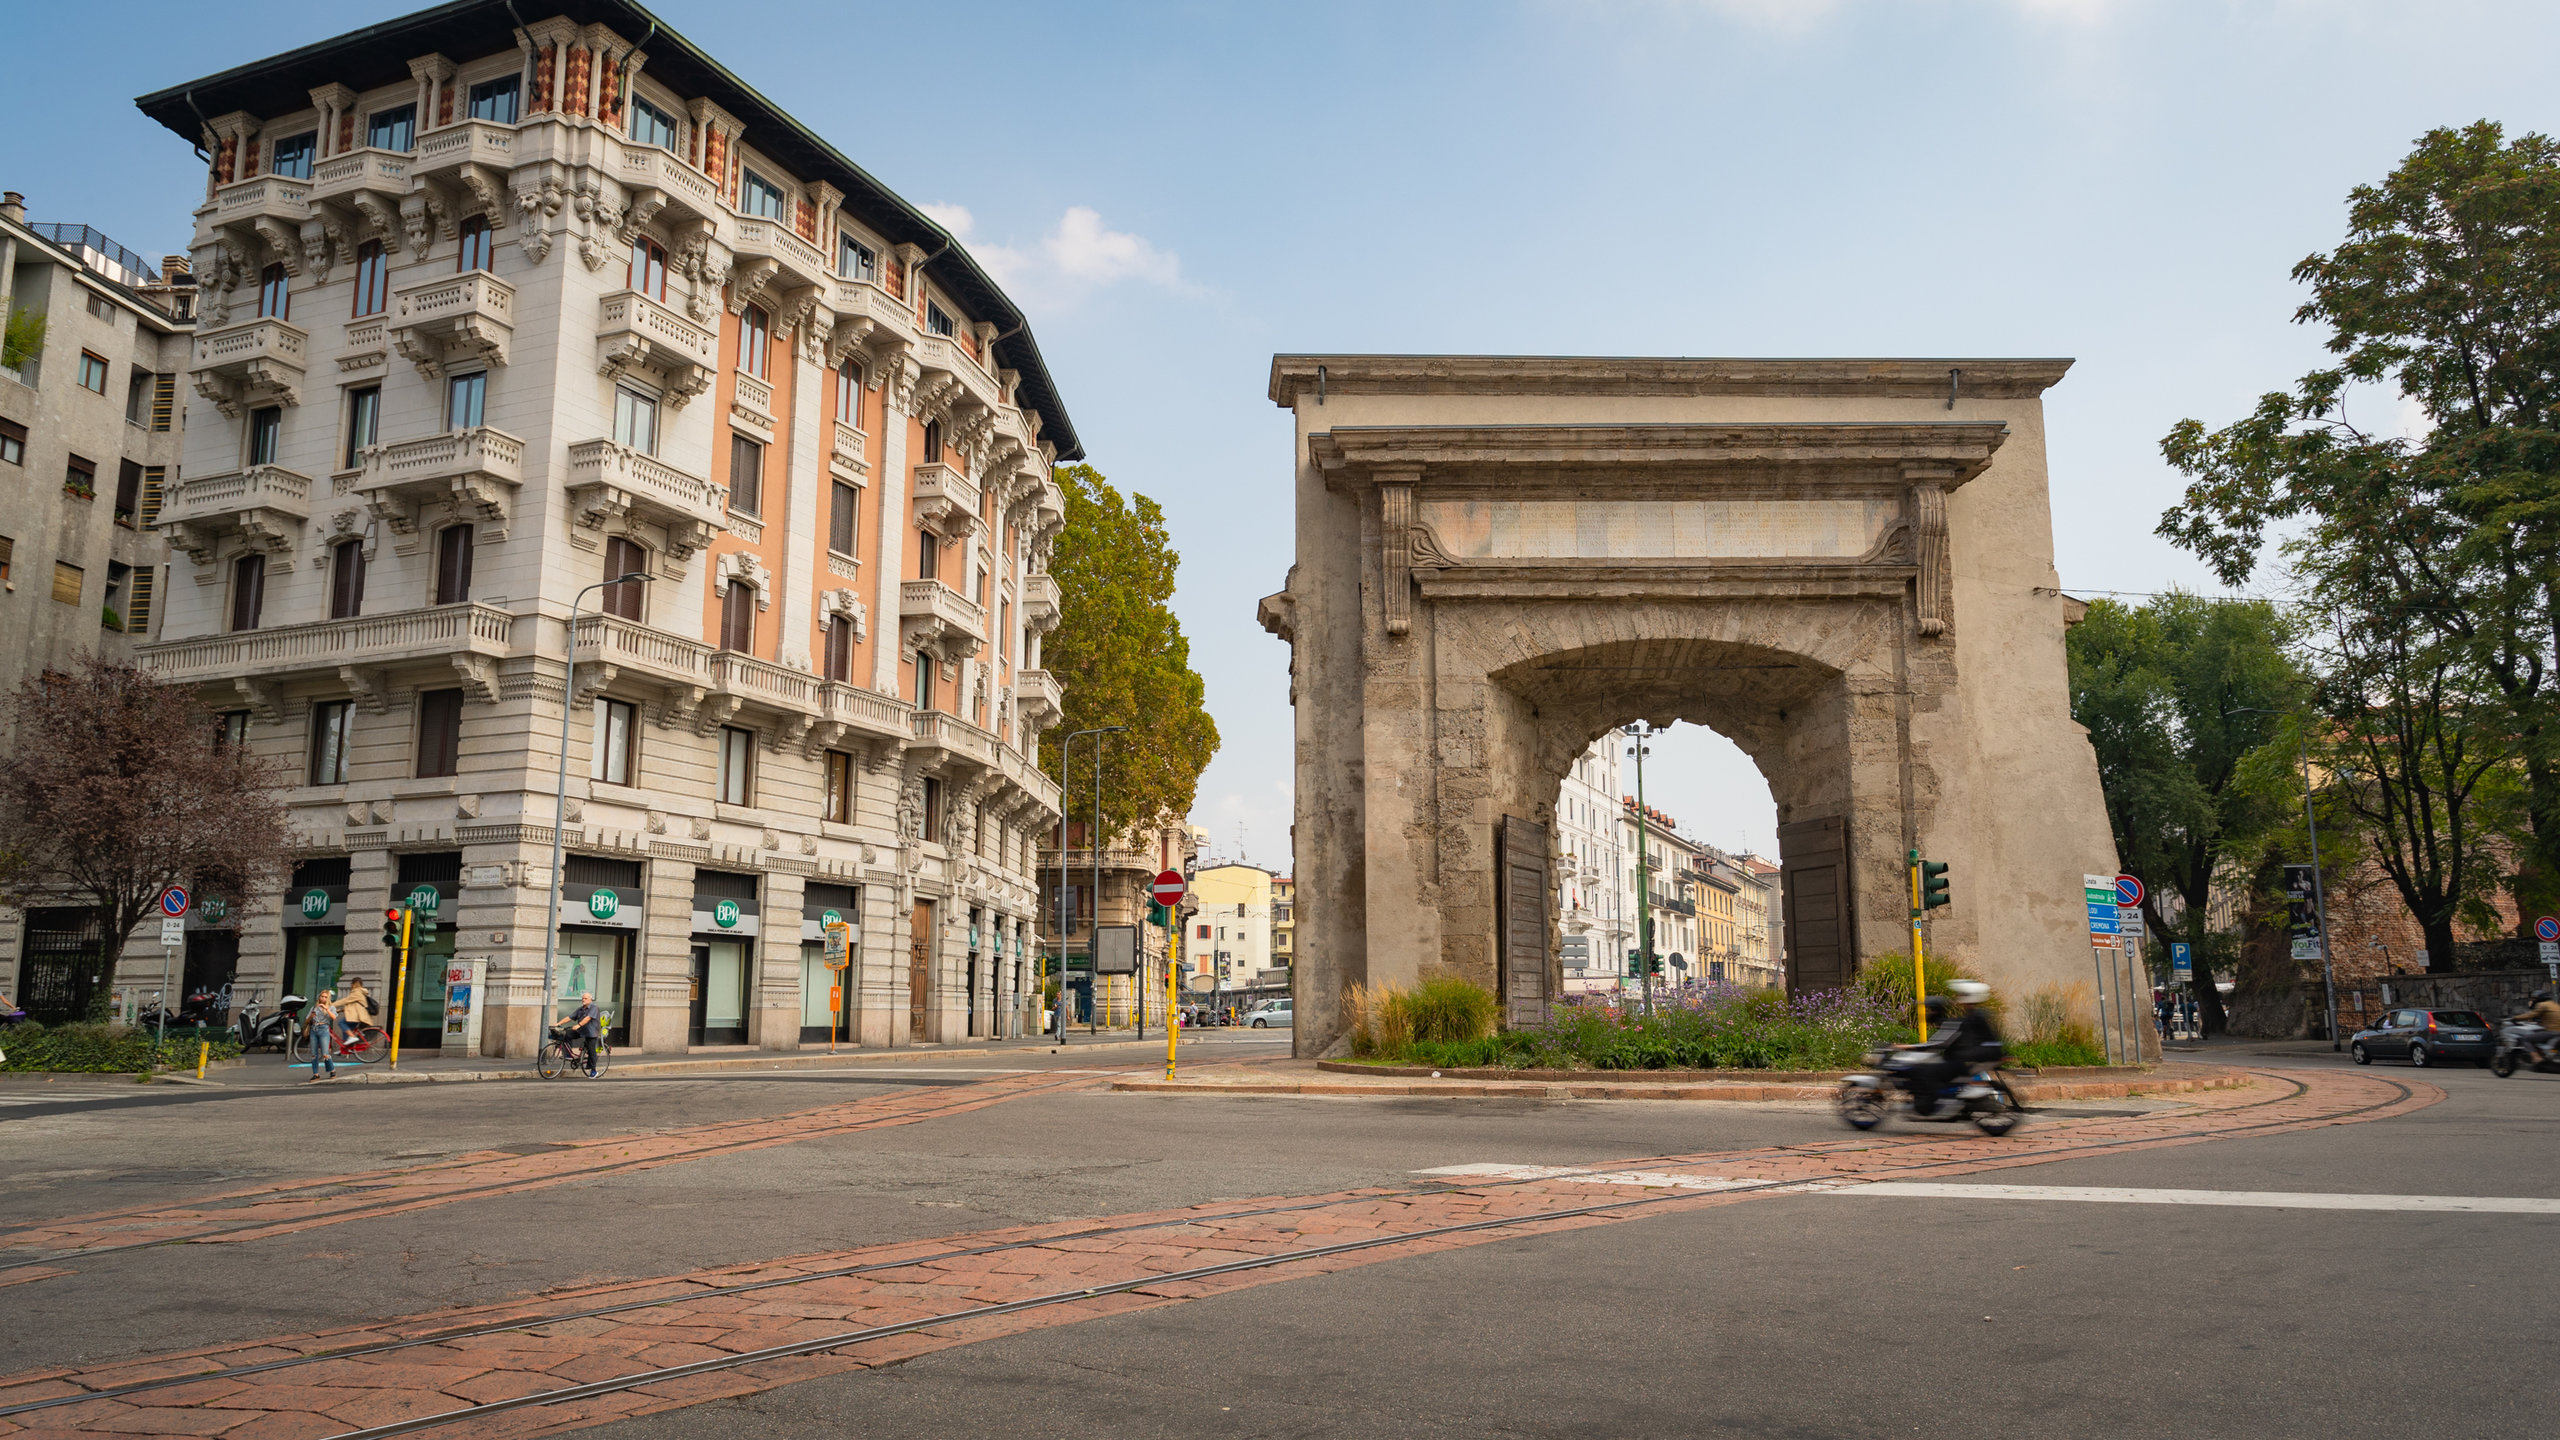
(400,987)
(1919,973)
(173,912)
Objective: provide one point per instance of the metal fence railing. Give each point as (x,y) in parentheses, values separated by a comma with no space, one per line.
(96,248)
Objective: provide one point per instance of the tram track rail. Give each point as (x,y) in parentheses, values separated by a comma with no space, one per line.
(2402,1093)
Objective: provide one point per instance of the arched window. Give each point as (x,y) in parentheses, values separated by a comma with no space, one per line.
(373,279)
(474,254)
(273,300)
(755,340)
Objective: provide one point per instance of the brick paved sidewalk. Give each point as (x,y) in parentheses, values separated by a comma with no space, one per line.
(333,1396)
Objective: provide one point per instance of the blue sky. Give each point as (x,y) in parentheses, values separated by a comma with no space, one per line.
(1176,191)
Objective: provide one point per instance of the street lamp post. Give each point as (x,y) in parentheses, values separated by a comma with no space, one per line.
(1640,732)
(560,791)
(1066,753)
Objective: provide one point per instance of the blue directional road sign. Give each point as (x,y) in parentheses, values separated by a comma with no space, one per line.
(2182,961)
(2102,920)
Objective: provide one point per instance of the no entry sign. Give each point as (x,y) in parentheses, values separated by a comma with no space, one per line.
(1169,888)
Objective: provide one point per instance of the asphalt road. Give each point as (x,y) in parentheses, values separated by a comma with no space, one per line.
(1798,1315)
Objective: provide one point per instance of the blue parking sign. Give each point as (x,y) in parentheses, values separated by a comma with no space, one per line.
(2182,961)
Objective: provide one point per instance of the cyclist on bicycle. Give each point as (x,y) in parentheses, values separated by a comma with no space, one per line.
(581,1027)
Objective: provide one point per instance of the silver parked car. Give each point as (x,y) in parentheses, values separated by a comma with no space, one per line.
(1274,1014)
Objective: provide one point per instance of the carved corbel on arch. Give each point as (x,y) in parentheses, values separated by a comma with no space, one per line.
(745,565)
(749,279)
(1925,511)
(843,601)
(283,241)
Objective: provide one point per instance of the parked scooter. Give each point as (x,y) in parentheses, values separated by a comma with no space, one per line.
(262,1031)
(2520,1047)
(1981,1097)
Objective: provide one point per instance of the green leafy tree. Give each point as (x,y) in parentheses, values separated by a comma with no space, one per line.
(2439,556)
(1120,655)
(2180,696)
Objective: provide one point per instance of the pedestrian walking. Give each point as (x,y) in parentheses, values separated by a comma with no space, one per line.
(2162,1008)
(323,1019)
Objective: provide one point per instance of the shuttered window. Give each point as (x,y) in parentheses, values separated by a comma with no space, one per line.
(453,565)
(7,548)
(738,617)
(624,557)
(840,649)
(164,401)
(846,505)
(346,580)
(746,475)
(67,580)
(137,612)
(439,733)
(248,591)
(155,483)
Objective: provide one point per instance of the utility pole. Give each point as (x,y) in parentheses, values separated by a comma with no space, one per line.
(1640,732)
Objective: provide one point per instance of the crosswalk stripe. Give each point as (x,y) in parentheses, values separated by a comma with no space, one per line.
(2259,1199)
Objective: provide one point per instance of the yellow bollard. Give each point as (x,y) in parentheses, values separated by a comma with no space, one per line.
(204,1052)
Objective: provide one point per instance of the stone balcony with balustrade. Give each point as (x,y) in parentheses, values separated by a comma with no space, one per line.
(947,355)
(452,322)
(270,197)
(266,504)
(484,145)
(478,470)
(1040,602)
(1038,699)
(635,333)
(607,480)
(322,646)
(380,174)
(946,501)
(251,363)
(799,263)
(935,615)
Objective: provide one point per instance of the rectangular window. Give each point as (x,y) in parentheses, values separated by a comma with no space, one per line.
(393,129)
(67,582)
(465,396)
(137,397)
(930,453)
(843,507)
(839,788)
(79,477)
(248,591)
(840,649)
(762,197)
(373,279)
(275,300)
(649,268)
(746,475)
(737,765)
(855,261)
(624,556)
(610,760)
(346,580)
(293,155)
(635,420)
(439,733)
(938,320)
(93,372)
(13,443)
(928,555)
(738,618)
(924,681)
(453,565)
(473,251)
(497,99)
(128,492)
(231,727)
(364,423)
(755,341)
(146,587)
(651,125)
(266,434)
(849,394)
(932,808)
(154,483)
(332,727)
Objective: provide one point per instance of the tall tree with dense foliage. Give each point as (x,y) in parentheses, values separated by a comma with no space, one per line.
(1120,655)
(2179,696)
(115,786)
(2435,561)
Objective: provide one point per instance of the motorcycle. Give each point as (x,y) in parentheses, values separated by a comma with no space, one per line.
(262,1031)
(2518,1049)
(1982,1096)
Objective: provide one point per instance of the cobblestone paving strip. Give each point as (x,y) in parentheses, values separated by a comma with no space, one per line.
(305,1204)
(920,1283)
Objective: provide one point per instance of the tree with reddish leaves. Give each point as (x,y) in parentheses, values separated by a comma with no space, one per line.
(115,786)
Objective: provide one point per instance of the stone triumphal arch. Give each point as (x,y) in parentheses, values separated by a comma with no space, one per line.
(1845,566)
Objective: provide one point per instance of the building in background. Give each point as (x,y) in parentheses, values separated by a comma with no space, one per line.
(1230,936)
(496,311)
(1670,860)
(1284,922)
(1593,876)
(89,438)
(1130,864)
(1717,889)
(1757,916)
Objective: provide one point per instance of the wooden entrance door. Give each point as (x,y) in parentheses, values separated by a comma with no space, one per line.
(1520,917)
(1813,865)
(919,969)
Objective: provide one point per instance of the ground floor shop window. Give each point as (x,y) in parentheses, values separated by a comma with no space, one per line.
(817,983)
(597,962)
(719,993)
(315,961)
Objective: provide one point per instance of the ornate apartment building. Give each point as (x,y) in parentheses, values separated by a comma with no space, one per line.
(492,317)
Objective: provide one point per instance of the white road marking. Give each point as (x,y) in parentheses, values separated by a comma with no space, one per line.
(1583,1174)
(2260,1199)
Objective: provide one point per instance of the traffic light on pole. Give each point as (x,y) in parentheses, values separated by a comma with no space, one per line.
(391,928)
(1933,884)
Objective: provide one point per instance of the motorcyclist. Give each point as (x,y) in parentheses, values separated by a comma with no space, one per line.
(2541,1023)
(1962,1039)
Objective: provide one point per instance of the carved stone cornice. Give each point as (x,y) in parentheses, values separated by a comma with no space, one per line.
(1787,454)
(1295,378)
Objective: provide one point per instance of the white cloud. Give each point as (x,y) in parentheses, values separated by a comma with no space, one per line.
(1078,255)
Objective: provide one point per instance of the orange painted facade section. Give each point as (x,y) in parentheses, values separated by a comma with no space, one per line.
(773,504)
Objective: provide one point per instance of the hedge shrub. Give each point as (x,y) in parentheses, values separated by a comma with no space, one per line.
(94,1049)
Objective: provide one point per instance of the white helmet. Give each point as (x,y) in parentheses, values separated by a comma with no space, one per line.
(1969,992)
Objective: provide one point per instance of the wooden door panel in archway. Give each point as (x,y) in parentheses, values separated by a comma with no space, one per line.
(1813,863)
(1520,908)
(919,968)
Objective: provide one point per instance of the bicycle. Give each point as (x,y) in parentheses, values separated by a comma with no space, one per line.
(562,1055)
